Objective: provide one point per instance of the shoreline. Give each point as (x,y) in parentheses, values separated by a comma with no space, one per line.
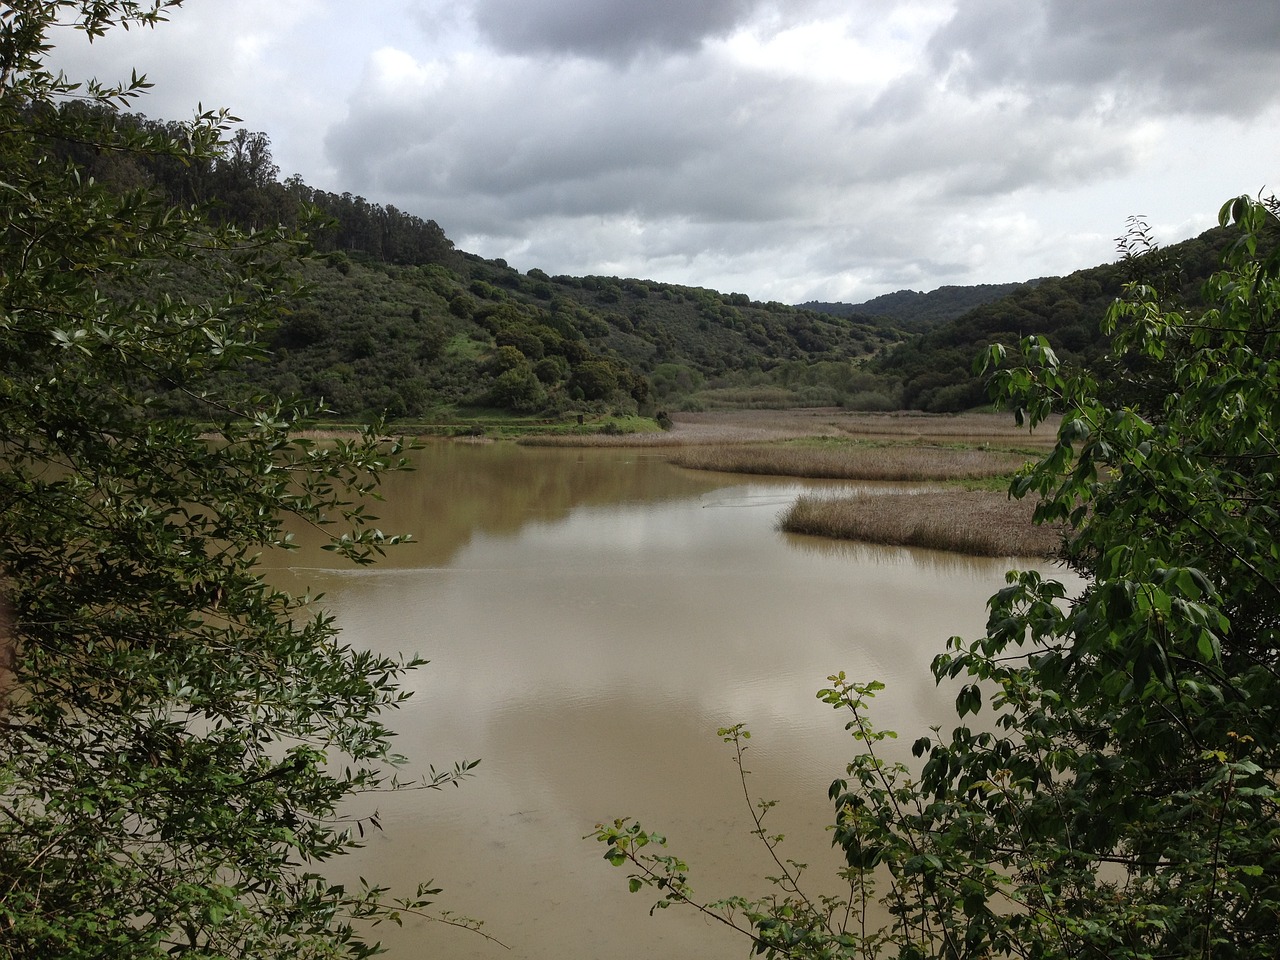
(771,426)
(973,455)
(976,523)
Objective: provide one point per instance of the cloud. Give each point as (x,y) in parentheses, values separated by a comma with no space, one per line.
(759,154)
(606,29)
(491,143)
(1142,55)
(583,137)
(274,65)
(784,148)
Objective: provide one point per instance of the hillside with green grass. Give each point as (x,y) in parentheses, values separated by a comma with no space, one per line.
(452,338)
(391,320)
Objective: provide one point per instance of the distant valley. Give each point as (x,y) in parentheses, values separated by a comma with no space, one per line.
(392,320)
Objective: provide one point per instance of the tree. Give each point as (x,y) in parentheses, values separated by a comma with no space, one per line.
(518,388)
(594,379)
(1119,799)
(178,737)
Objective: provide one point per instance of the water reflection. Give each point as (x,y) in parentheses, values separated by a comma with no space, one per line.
(592,617)
(460,490)
(924,560)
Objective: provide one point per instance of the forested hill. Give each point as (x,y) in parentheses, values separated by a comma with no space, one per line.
(372,336)
(394,320)
(916,311)
(932,371)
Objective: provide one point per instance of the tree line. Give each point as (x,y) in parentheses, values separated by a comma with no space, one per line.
(237,184)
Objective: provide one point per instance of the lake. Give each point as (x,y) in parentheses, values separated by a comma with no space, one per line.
(592,616)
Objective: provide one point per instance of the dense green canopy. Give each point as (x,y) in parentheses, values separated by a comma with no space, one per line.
(177,736)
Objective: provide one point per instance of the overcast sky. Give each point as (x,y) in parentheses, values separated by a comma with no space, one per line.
(787,149)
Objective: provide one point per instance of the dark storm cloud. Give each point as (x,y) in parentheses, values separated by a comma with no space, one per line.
(605,29)
(1165,55)
(582,139)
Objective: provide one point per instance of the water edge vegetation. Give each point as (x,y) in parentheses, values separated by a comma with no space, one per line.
(980,523)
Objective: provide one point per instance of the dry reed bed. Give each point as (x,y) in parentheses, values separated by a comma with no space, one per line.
(664,439)
(853,461)
(768,426)
(976,428)
(978,523)
(909,426)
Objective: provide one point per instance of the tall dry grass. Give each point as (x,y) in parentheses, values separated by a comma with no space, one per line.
(663,439)
(906,426)
(979,523)
(975,428)
(853,461)
(770,426)
(698,429)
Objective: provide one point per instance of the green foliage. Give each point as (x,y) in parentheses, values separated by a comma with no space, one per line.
(518,388)
(651,329)
(1116,795)
(595,380)
(178,736)
(934,370)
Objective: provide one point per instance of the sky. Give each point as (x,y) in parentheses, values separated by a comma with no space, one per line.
(792,150)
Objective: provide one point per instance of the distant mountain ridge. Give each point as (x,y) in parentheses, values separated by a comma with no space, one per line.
(916,311)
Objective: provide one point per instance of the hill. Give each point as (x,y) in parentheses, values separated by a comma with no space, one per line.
(413,340)
(932,371)
(916,311)
(391,319)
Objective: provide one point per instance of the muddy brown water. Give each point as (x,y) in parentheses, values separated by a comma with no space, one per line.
(592,617)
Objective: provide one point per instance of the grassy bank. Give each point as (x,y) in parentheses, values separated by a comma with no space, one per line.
(976,522)
(568,428)
(854,461)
